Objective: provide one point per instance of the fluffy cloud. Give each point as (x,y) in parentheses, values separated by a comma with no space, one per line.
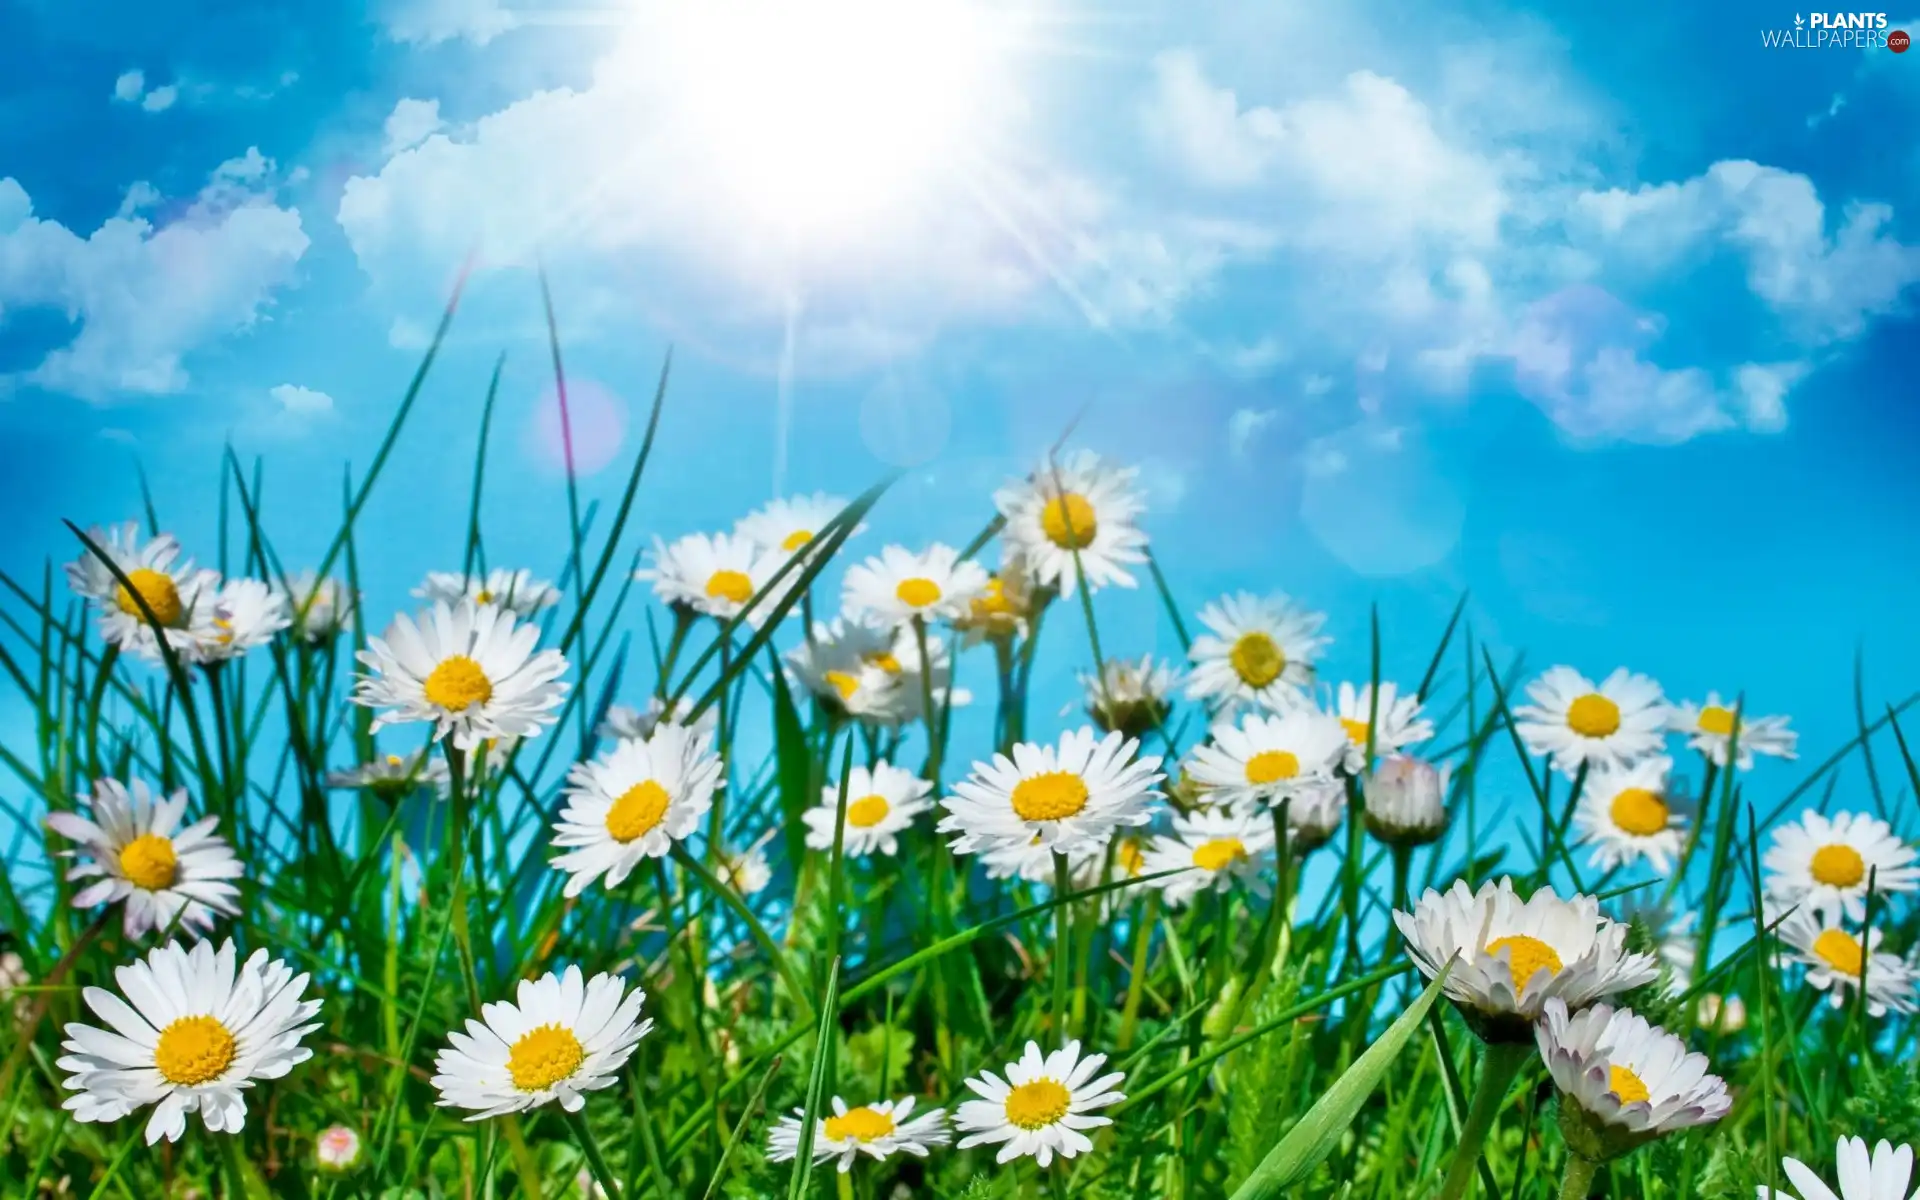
(410,123)
(298,401)
(131,88)
(429,22)
(145,295)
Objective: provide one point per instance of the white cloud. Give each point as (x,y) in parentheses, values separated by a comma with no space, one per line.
(410,123)
(1244,425)
(430,22)
(295,400)
(145,295)
(160,99)
(140,195)
(130,86)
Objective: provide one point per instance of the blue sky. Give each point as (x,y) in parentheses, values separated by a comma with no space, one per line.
(1606,317)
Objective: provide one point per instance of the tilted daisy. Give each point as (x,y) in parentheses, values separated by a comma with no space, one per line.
(1626,815)
(632,803)
(881,803)
(1266,759)
(472,670)
(173,589)
(622,723)
(244,613)
(1256,651)
(1708,728)
(850,667)
(394,775)
(516,591)
(1572,721)
(879,1131)
(1042,1107)
(717,575)
(1835,959)
(1827,862)
(1396,721)
(898,585)
(560,1037)
(785,526)
(1001,610)
(195,1030)
(320,608)
(746,871)
(1881,1175)
(1068,796)
(1515,955)
(137,854)
(1130,697)
(1077,508)
(1623,1081)
(1212,850)
(1406,800)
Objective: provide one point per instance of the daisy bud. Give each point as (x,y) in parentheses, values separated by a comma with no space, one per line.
(1128,697)
(336,1150)
(1407,800)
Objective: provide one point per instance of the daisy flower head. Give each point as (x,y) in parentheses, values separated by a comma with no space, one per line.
(916,676)
(626,724)
(1000,612)
(244,613)
(1212,850)
(1623,1081)
(1828,862)
(746,871)
(1068,797)
(516,591)
(879,1131)
(898,585)
(632,803)
(1880,1175)
(561,1036)
(1075,516)
(137,854)
(1406,800)
(190,1032)
(1573,721)
(1394,719)
(1314,815)
(320,608)
(472,670)
(851,667)
(1514,955)
(336,1149)
(175,592)
(391,776)
(717,575)
(1256,652)
(881,804)
(1267,759)
(1042,1107)
(1836,958)
(786,525)
(1709,728)
(1130,697)
(1627,814)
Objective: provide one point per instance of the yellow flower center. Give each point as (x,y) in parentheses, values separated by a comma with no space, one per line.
(193,1050)
(992,602)
(1838,865)
(1069,522)
(1594,716)
(637,811)
(543,1057)
(483,596)
(1842,950)
(1627,1087)
(1219,854)
(1639,812)
(1130,857)
(1716,720)
(1356,730)
(843,683)
(861,1124)
(148,861)
(394,760)
(884,660)
(868,811)
(796,539)
(1271,766)
(458,683)
(1038,1104)
(918,592)
(1257,659)
(1049,797)
(1529,954)
(730,585)
(158,590)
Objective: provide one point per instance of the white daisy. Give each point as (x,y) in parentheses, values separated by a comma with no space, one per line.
(137,854)
(1396,721)
(560,1037)
(1515,954)
(1076,505)
(516,591)
(879,1130)
(623,724)
(1631,1081)
(1042,1108)
(1708,728)
(632,803)
(1001,610)
(872,674)
(1034,862)
(786,525)
(717,575)
(1827,862)
(1626,814)
(1130,697)
(746,871)
(320,608)
(1572,721)
(245,613)
(1835,959)
(194,1031)
(1314,815)
(881,803)
(1406,800)
(392,775)
(1881,1175)
(1258,652)
(1068,796)
(1212,850)
(899,585)
(1266,759)
(472,670)
(336,1149)
(173,589)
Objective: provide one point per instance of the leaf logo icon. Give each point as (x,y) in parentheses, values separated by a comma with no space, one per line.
(1798,21)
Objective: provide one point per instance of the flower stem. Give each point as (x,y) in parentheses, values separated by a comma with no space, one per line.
(596,1163)
(1500,1064)
(1578,1180)
(1062,884)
